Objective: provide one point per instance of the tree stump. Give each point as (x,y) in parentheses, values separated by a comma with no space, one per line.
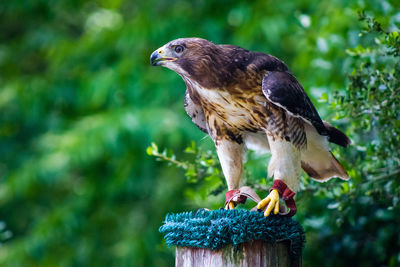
(252,254)
(234,238)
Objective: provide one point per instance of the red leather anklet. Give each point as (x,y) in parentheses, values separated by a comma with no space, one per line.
(287,195)
(240,199)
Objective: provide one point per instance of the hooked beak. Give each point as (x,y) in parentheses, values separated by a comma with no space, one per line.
(158,57)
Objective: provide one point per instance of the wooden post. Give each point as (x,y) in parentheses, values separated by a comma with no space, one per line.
(250,254)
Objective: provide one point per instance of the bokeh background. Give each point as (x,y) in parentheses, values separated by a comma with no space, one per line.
(80,104)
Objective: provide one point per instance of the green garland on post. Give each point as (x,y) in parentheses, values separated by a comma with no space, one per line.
(215,229)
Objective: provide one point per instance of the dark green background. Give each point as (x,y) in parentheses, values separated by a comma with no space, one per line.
(80,103)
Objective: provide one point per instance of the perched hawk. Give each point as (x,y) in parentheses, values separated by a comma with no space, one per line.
(250,99)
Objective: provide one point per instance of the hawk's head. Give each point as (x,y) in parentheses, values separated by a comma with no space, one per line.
(197,60)
(185,55)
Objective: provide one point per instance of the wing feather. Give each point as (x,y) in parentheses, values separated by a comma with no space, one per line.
(282,89)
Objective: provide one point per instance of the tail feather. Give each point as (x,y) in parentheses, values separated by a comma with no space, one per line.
(325,169)
(317,161)
(336,136)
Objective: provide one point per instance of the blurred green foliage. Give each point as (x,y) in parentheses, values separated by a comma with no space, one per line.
(80,104)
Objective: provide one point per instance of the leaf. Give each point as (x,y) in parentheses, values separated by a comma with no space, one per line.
(149,151)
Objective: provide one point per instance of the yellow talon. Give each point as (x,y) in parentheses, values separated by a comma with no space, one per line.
(272,200)
(231,205)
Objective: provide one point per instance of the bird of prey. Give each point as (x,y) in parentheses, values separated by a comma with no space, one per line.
(245,99)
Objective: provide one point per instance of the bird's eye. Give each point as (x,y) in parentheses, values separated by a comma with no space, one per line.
(179,49)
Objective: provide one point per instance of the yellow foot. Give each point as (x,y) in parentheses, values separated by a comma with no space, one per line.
(272,200)
(230,206)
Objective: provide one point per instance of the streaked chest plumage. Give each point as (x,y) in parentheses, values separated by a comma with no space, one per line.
(230,113)
(234,110)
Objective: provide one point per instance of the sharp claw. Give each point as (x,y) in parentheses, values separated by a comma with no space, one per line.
(271,205)
(231,206)
(272,200)
(266,214)
(276,210)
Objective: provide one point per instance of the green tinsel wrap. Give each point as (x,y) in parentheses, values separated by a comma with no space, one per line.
(215,229)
